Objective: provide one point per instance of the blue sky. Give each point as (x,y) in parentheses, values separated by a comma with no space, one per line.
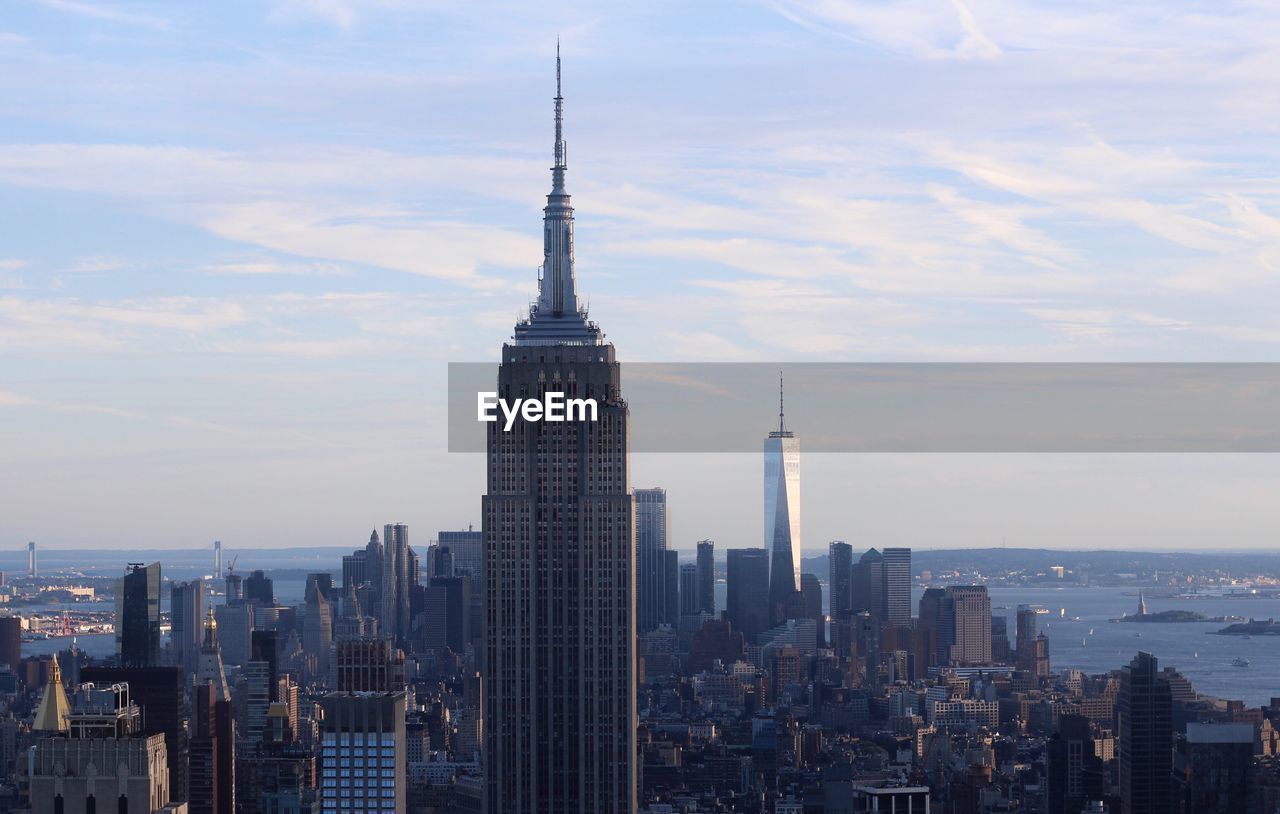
(240,241)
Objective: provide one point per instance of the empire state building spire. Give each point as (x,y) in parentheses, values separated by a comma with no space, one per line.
(556,317)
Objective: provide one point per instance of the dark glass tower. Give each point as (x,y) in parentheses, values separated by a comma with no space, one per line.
(1144,710)
(707,576)
(748,596)
(560,683)
(138,616)
(840,562)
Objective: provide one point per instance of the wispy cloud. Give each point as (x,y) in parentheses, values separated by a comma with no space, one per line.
(106,13)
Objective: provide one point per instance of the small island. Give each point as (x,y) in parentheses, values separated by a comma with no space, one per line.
(1166,616)
(1253,627)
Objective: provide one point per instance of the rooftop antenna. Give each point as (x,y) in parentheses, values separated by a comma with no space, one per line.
(782,427)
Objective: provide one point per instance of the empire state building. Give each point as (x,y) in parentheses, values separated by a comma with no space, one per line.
(559,690)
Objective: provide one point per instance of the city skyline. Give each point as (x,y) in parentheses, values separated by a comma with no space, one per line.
(242,326)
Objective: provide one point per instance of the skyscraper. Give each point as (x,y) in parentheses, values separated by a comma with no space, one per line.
(560,702)
(1075,774)
(671,587)
(186,614)
(160,693)
(138,616)
(748,595)
(213,755)
(317,626)
(260,588)
(689,590)
(362,751)
(10,641)
(782,515)
(897,586)
(811,593)
(867,585)
(969,610)
(397,565)
(651,558)
(1144,712)
(210,670)
(707,576)
(840,565)
(467,547)
(1213,767)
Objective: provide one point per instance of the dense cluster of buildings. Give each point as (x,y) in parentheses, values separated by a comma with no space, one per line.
(562,659)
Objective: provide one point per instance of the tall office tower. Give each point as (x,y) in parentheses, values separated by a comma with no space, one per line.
(707,576)
(161,695)
(671,587)
(967,608)
(212,776)
(1032,648)
(897,586)
(689,595)
(317,626)
(1144,712)
(11,641)
(351,623)
(934,617)
(370,664)
(1213,767)
(260,675)
(448,613)
(397,566)
(362,751)
(186,615)
(1000,652)
(748,583)
(31,560)
(210,670)
(217,558)
(839,578)
(324,583)
(651,558)
(560,702)
(138,616)
(867,585)
(258,587)
(1075,773)
(782,516)
(235,623)
(234,588)
(439,561)
(468,552)
(811,594)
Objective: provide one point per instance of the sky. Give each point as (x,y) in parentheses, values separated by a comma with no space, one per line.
(240,242)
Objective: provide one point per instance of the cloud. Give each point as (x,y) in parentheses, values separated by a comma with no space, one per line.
(919,28)
(106,13)
(273,267)
(15,400)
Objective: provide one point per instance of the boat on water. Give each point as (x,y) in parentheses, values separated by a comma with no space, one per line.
(1090,631)
(1240,662)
